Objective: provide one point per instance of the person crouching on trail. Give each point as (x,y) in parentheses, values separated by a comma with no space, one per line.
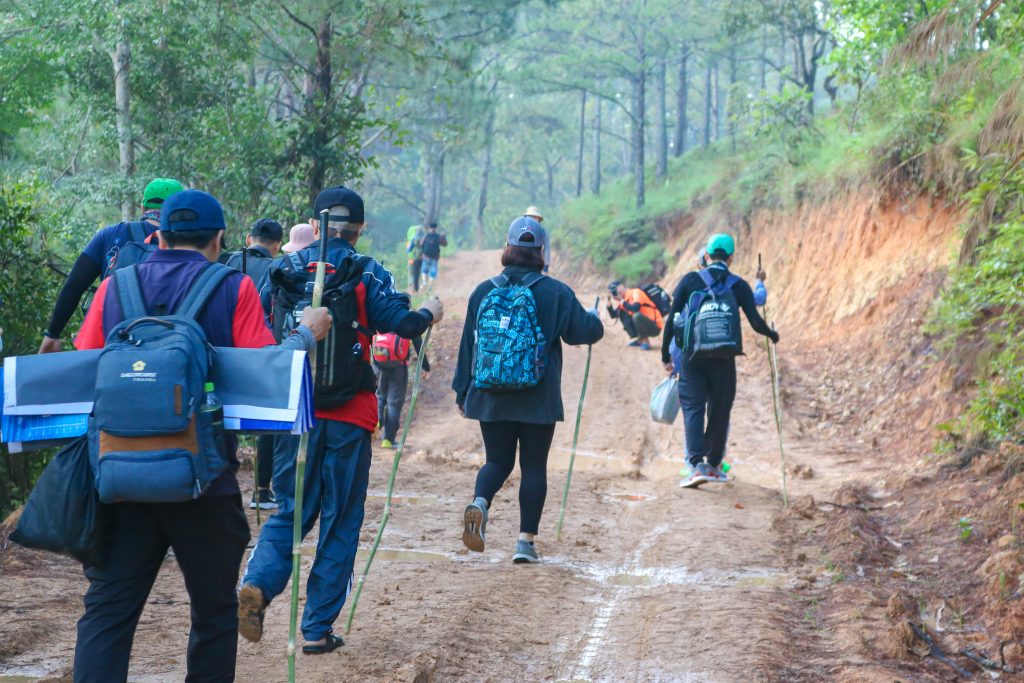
(639,315)
(362,298)
(391,365)
(208,533)
(706,327)
(509,376)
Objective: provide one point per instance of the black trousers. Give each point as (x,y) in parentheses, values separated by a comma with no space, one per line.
(208,536)
(639,325)
(265,456)
(534,443)
(414,273)
(392,384)
(707,387)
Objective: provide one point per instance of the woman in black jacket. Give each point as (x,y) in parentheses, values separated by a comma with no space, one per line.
(515,393)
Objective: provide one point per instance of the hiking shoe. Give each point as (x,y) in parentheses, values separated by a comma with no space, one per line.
(633,343)
(263,499)
(716,474)
(474,520)
(251,608)
(645,347)
(525,553)
(330,644)
(386,443)
(698,475)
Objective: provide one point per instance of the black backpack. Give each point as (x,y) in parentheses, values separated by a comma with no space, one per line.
(133,252)
(661,299)
(431,246)
(341,370)
(709,326)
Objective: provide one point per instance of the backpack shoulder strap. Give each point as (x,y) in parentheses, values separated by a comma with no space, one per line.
(731,281)
(202,290)
(138,231)
(500,281)
(297,265)
(530,279)
(129,292)
(708,278)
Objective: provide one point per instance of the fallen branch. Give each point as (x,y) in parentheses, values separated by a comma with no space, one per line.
(986,663)
(936,651)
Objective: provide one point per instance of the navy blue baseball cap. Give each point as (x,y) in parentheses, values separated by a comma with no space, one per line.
(339,196)
(191,210)
(525,232)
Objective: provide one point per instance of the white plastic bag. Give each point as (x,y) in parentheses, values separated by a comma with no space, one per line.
(665,401)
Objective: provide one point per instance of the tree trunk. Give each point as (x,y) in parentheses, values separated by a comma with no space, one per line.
(730,111)
(122,61)
(682,102)
(717,90)
(708,95)
(661,131)
(318,101)
(435,187)
(639,121)
(782,59)
(595,186)
(485,176)
(583,140)
(764,57)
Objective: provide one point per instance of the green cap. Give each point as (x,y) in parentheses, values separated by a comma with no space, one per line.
(158,190)
(721,242)
(208,387)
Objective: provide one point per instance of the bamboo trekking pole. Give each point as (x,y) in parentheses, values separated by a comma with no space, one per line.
(575,438)
(391,481)
(773,366)
(300,461)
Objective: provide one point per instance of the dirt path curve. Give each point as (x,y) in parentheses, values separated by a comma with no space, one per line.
(650,582)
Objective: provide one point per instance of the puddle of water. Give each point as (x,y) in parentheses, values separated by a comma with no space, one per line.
(631,497)
(630,580)
(409,498)
(386,555)
(18,679)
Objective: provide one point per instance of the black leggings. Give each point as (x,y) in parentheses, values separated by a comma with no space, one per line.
(500,441)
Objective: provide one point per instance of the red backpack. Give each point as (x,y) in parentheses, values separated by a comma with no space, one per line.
(389,350)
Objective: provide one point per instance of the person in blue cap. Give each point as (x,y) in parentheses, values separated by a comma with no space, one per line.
(208,534)
(517,397)
(707,377)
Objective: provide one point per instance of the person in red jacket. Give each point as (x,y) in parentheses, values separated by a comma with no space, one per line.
(208,534)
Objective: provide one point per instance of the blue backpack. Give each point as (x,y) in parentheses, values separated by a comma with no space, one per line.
(709,326)
(148,440)
(510,350)
(132,252)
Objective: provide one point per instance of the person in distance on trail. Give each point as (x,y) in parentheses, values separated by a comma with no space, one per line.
(208,534)
(99,257)
(299,237)
(639,315)
(534,213)
(262,246)
(430,246)
(509,377)
(706,327)
(414,247)
(362,297)
(391,365)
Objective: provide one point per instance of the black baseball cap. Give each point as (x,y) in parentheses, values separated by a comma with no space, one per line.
(339,196)
(267,229)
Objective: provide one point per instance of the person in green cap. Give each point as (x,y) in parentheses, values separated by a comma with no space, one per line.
(99,258)
(705,326)
(414,247)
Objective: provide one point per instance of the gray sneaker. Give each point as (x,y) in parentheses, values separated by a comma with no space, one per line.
(701,474)
(474,525)
(525,553)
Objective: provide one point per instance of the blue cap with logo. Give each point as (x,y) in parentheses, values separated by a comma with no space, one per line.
(525,232)
(191,210)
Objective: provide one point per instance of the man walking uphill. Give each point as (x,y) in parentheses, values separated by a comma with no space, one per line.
(706,325)
(362,298)
(100,257)
(431,246)
(208,534)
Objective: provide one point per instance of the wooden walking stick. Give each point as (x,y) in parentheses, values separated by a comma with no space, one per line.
(391,482)
(575,438)
(773,366)
(300,460)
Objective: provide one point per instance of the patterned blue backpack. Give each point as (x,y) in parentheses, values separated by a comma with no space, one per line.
(510,350)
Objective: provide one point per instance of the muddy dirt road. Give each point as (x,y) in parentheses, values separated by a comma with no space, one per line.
(650,582)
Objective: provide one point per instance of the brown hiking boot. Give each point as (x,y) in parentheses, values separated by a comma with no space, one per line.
(251,607)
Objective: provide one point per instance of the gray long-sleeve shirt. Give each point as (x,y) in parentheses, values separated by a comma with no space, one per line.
(561,318)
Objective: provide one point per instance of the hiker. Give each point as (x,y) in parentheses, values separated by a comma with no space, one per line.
(637,312)
(534,213)
(261,247)
(208,534)
(363,300)
(760,291)
(391,365)
(100,257)
(705,311)
(414,247)
(430,246)
(509,378)
(299,237)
